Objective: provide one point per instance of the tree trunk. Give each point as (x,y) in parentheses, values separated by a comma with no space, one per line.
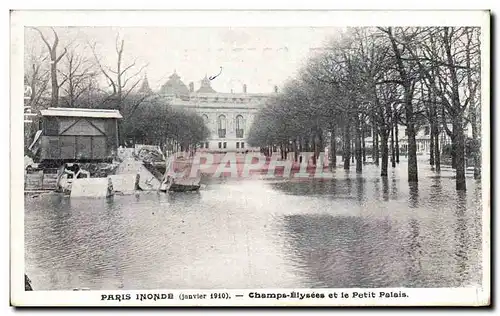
(71,92)
(333,148)
(343,144)
(54,84)
(375,149)
(431,160)
(385,152)
(397,142)
(347,148)
(357,147)
(296,149)
(431,100)
(393,151)
(476,145)
(410,119)
(412,144)
(460,153)
(437,155)
(119,77)
(54,59)
(353,151)
(451,135)
(364,145)
(454,152)
(320,147)
(314,149)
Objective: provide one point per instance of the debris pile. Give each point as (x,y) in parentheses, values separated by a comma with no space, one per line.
(100,170)
(151,156)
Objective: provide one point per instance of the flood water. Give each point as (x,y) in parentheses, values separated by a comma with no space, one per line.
(350,231)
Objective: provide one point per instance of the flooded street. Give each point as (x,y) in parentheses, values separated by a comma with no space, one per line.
(350,231)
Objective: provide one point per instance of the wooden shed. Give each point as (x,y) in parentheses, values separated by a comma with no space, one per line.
(84,135)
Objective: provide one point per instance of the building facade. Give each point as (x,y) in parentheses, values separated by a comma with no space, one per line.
(228,116)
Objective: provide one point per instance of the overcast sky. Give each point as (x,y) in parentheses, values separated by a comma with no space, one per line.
(257,57)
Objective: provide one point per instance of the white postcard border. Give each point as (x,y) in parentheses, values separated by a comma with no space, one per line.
(19,19)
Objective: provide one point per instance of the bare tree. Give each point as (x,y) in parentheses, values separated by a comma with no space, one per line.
(454,80)
(384,77)
(384,95)
(473,64)
(37,77)
(54,60)
(407,80)
(77,76)
(372,63)
(119,78)
(456,102)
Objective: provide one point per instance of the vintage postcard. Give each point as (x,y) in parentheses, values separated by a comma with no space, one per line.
(250,158)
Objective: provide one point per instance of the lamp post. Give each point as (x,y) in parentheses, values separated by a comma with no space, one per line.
(27,114)
(27,104)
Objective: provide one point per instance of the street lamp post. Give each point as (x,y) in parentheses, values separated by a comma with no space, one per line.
(28,114)
(27,105)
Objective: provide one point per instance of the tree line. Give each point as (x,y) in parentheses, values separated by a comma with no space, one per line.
(170,128)
(72,74)
(370,80)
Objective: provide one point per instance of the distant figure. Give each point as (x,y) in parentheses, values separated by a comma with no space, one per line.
(27,283)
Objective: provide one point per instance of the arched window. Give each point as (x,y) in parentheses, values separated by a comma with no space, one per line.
(221,126)
(205,119)
(240,126)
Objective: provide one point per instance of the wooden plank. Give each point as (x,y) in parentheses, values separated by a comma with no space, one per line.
(99,147)
(66,124)
(83,147)
(67,146)
(49,181)
(33,181)
(53,148)
(83,128)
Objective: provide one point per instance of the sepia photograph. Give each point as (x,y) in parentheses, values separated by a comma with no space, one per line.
(281,162)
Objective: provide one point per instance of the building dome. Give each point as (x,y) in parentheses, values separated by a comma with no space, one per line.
(205,86)
(174,85)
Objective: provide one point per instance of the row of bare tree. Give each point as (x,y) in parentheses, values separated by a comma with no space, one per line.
(71,75)
(378,79)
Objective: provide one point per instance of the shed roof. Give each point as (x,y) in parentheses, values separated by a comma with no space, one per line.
(78,112)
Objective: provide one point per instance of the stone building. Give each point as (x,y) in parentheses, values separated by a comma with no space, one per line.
(227,115)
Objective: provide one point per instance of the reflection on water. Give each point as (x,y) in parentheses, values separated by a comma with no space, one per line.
(461,236)
(413,195)
(385,188)
(350,231)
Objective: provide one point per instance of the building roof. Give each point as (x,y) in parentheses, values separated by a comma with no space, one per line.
(174,85)
(79,112)
(145,89)
(205,86)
